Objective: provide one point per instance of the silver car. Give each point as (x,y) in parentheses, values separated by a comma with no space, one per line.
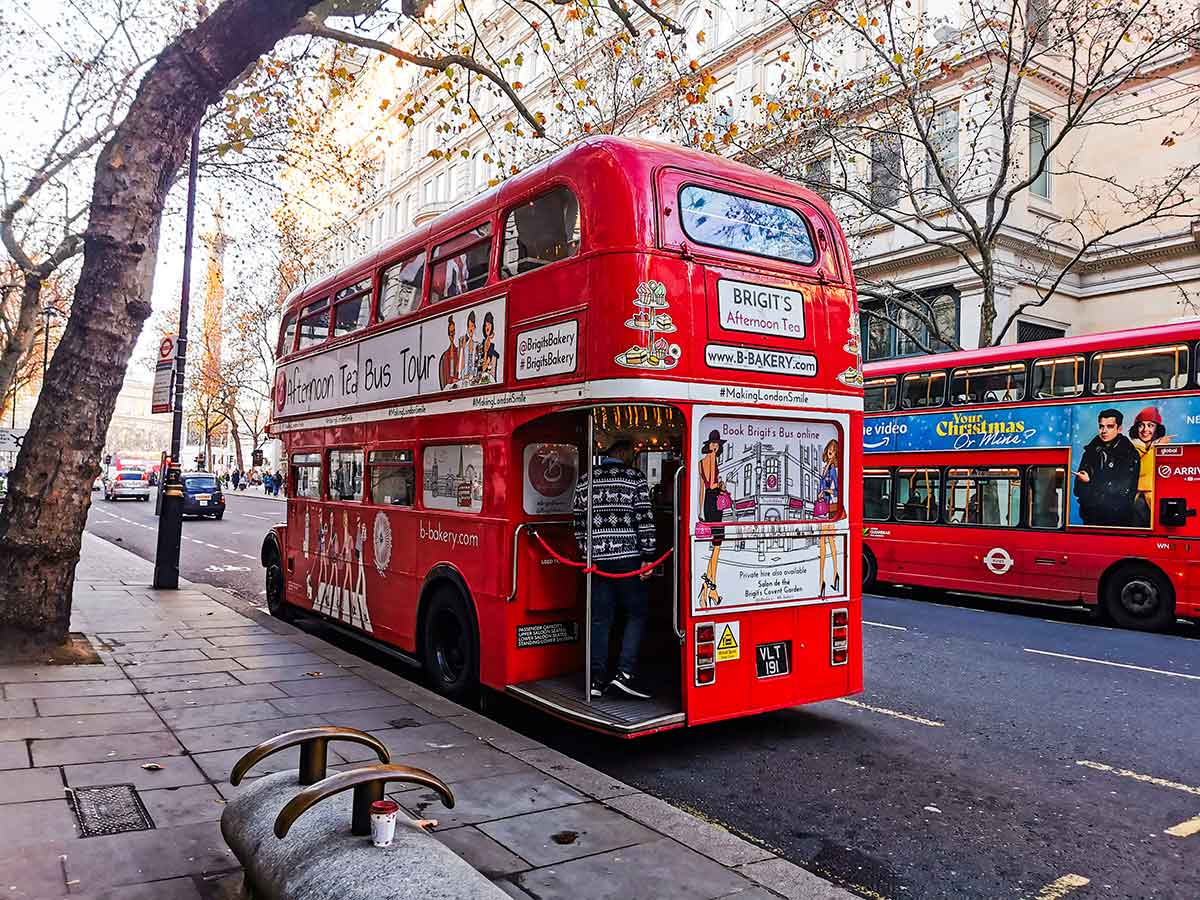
(127,486)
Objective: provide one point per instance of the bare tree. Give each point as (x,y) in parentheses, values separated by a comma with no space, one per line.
(934,136)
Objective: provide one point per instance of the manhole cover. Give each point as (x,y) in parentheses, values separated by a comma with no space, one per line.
(110,809)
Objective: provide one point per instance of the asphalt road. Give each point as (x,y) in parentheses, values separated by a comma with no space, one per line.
(1000,750)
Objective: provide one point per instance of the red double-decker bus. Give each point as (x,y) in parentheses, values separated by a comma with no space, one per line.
(439,399)
(1064,470)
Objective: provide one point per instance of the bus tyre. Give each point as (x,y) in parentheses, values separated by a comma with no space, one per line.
(1139,597)
(869,570)
(276,603)
(450,650)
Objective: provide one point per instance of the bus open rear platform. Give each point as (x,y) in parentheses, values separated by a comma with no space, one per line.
(562,696)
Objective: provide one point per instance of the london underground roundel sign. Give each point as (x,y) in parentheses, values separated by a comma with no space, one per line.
(998,561)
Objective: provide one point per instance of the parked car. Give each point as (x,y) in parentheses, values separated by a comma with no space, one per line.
(202,495)
(127,486)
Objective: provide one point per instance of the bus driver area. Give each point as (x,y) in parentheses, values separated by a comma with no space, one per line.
(561,585)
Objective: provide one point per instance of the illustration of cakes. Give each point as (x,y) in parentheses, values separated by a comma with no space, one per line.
(652,351)
(853,376)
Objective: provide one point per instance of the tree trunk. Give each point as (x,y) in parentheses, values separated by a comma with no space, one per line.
(231,415)
(22,335)
(987,311)
(49,492)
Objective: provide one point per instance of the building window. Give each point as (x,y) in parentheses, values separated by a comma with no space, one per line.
(816,175)
(1039,140)
(540,232)
(1036,331)
(885,170)
(913,327)
(943,139)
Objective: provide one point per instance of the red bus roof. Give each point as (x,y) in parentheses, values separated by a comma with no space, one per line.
(620,169)
(1085,343)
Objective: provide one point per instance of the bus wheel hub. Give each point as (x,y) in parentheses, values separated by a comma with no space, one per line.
(1139,597)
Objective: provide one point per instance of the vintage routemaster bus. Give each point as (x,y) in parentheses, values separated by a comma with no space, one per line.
(439,399)
(1064,470)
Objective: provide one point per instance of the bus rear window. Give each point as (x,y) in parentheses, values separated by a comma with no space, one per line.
(1148,369)
(744,225)
(879,394)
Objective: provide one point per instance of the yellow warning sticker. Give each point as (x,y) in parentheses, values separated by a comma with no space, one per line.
(729,645)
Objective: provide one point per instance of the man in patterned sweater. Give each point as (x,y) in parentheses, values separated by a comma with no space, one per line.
(622,541)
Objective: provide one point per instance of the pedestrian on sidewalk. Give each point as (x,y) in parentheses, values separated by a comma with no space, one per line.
(622,541)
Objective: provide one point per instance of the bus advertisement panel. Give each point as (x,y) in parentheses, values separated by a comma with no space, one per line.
(1101,437)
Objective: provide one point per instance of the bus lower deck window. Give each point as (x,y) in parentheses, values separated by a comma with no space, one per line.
(393,477)
(877,494)
(345,474)
(917,494)
(984,496)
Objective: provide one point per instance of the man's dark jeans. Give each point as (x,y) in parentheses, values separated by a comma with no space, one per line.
(608,596)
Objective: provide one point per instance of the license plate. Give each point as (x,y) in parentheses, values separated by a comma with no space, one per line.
(773,659)
(203,498)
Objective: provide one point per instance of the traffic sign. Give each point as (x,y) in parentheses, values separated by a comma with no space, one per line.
(162,400)
(168,348)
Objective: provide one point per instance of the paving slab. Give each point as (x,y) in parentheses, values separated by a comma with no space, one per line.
(77,706)
(138,857)
(32,874)
(402,715)
(91,688)
(219,763)
(328,703)
(195,667)
(14,755)
(36,823)
(471,761)
(15,709)
(171,807)
(41,727)
(723,846)
(591,781)
(166,889)
(152,657)
(405,741)
(169,683)
(483,799)
(277,647)
(241,734)
(556,835)
(660,870)
(68,751)
(275,660)
(337,684)
(23,674)
(493,732)
(173,771)
(491,859)
(220,714)
(290,673)
(23,785)
(238,693)
(244,640)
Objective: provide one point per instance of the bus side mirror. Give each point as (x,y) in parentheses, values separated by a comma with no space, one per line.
(1173,512)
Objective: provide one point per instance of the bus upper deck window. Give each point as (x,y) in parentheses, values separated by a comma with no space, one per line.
(923,390)
(1147,369)
(461,264)
(287,333)
(1002,383)
(745,225)
(1058,376)
(540,232)
(401,287)
(353,309)
(314,323)
(879,394)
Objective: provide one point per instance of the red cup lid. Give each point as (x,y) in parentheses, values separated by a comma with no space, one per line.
(383,807)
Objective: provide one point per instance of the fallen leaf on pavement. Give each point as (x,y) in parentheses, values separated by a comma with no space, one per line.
(152,767)
(313,674)
(425,823)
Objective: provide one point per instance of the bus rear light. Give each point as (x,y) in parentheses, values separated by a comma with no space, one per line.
(839,637)
(706,651)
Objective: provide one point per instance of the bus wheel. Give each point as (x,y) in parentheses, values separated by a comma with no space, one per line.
(869,570)
(276,604)
(1140,597)
(450,650)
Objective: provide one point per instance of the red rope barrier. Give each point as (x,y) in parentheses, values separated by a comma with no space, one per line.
(587,570)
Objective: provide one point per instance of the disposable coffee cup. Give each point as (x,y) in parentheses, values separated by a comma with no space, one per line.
(383,822)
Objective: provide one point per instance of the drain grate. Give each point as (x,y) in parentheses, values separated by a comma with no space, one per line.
(110,809)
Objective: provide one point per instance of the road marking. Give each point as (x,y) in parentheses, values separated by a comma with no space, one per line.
(1185,829)
(210,546)
(227,550)
(891,712)
(1116,665)
(882,625)
(1060,887)
(248,556)
(1138,776)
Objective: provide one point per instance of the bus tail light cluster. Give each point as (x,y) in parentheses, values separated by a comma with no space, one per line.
(839,637)
(706,653)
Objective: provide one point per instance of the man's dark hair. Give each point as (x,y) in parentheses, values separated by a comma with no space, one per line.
(1111,414)
(617,446)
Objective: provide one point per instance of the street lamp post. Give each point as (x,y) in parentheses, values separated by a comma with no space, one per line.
(170,523)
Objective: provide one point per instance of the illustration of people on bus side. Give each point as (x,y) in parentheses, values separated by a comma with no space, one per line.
(448,369)
(1147,432)
(468,352)
(488,357)
(1106,481)
(714,501)
(828,506)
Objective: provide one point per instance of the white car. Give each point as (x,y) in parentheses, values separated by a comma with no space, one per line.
(128,486)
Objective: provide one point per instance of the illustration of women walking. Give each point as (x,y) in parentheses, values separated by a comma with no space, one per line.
(828,506)
(714,500)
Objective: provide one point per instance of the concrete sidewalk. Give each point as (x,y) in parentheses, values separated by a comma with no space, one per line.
(193,678)
(255,492)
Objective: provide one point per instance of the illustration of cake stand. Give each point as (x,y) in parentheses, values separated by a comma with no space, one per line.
(650,321)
